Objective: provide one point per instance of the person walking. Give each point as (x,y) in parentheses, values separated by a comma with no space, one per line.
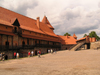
(14,54)
(39,52)
(48,51)
(29,54)
(51,51)
(3,56)
(32,53)
(17,55)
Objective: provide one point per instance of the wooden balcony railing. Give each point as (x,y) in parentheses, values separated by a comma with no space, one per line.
(3,47)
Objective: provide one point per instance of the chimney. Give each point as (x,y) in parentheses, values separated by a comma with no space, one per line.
(38,22)
(67,36)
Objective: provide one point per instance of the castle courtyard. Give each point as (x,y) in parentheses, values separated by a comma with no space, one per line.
(83,62)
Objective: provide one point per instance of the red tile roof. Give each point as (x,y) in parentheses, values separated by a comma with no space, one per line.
(47,30)
(67,40)
(26,23)
(8,15)
(5,22)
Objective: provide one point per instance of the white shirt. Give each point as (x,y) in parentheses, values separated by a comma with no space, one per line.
(32,52)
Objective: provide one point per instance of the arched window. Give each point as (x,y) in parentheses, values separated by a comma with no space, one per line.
(7,43)
(23,43)
(36,52)
(35,41)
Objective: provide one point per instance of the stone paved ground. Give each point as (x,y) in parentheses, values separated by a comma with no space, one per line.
(85,62)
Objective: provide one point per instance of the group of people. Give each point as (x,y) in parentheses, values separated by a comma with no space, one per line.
(30,53)
(16,55)
(2,56)
(51,51)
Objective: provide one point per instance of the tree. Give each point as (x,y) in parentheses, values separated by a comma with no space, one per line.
(85,35)
(93,34)
(67,34)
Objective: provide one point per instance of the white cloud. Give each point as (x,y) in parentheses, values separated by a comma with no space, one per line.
(78,20)
(19,6)
(80,16)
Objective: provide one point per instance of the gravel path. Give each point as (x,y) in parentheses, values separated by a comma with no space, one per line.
(84,62)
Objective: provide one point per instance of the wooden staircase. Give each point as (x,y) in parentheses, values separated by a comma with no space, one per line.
(77,46)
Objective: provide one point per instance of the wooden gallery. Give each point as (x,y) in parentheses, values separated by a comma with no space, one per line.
(21,34)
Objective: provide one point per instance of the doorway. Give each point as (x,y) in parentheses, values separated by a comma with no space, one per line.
(36,52)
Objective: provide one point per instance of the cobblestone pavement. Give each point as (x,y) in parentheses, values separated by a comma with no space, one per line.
(84,62)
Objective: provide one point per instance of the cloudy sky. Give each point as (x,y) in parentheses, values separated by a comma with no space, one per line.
(72,16)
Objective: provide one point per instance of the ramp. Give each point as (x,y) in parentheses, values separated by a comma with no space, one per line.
(77,46)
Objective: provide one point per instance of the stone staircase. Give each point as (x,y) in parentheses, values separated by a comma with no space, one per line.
(77,46)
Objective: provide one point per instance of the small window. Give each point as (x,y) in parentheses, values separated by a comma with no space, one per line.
(6,27)
(15,30)
(23,30)
(30,32)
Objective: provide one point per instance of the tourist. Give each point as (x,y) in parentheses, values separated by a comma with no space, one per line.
(51,51)
(3,56)
(48,51)
(39,52)
(14,54)
(17,55)
(32,53)
(29,54)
